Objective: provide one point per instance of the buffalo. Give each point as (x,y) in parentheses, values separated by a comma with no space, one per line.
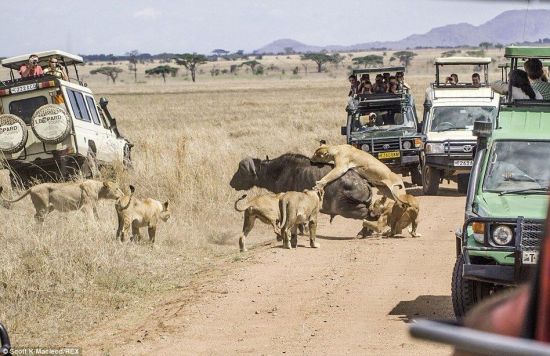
(349,196)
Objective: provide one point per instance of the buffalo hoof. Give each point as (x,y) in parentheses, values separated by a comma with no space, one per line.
(314,245)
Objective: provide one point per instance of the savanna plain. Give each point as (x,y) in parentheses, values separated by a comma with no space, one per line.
(69,282)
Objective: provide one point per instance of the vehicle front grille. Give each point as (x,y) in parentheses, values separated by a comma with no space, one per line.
(386,145)
(532,233)
(460,147)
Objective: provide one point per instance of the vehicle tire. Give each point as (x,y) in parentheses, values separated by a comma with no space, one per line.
(127,157)
(466,293)
(416,175)
(51,123)
(19,180)
(13,133)
(90,169)
(430,180)
(462,181)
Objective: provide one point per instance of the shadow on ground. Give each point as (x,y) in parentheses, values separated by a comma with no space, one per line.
(425,307)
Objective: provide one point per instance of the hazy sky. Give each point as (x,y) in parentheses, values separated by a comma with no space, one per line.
(107,26)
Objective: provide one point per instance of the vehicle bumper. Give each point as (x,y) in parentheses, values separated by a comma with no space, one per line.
(499,265)
(447,162)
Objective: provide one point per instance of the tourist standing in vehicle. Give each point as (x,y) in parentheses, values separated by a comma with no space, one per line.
(521,88)
(535,72)
(55,69)
(354,85)
(32,68)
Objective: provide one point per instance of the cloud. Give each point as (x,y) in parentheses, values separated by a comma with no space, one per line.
(147,13)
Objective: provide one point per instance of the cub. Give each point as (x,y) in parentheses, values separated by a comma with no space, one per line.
(137,213)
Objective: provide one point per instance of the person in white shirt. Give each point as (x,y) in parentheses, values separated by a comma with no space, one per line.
(521,87)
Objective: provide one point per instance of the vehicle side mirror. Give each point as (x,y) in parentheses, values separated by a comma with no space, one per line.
(343,130)
(420,126)
(103,102)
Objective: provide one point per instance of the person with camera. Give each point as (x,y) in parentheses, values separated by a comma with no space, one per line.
(55,69)
(32,68)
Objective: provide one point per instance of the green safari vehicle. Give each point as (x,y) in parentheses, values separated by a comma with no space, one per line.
(507,197)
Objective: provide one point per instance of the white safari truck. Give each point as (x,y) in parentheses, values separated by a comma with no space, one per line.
(52,129)
(450,110)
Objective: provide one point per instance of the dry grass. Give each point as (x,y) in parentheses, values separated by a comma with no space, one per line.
(67,275)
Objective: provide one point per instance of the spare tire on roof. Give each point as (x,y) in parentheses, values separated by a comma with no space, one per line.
(13,133)
(51,123)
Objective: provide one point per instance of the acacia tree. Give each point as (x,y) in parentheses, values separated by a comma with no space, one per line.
(318,58)
(133,60)
(370,60)
(405,57)
(111,72)
(190,61)
(162,71)
(254,65)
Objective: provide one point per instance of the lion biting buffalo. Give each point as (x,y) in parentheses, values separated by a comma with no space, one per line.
(348,196)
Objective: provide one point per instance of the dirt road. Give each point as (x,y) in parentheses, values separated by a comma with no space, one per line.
(348,297)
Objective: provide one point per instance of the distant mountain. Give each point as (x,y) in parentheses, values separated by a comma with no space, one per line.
(506,28)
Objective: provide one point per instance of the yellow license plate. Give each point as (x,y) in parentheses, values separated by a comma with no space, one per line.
(388,155)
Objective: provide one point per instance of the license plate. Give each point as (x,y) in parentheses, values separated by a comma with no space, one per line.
(466,163)
(388,155)
(529,257)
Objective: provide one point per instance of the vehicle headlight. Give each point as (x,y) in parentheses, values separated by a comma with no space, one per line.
(407,145)
(417,142)
(365,147)
(479,232)
(435,148)
(502,235)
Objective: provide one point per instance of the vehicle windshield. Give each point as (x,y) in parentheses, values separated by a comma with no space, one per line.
(391,118)
(518,165)
(448,118)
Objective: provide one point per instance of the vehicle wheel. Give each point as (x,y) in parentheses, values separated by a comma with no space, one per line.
(462,181)
(89,168)
(430,180)
(13,133)
(20,180)
(127,160)
(416,176)
(51,123)
(466,293)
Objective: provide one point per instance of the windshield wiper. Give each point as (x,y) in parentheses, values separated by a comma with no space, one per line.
(452,129)
(525,190)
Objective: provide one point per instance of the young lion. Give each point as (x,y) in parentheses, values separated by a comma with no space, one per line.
(138,213)
(297,208)
(393,218)
(264,207)
(69,196)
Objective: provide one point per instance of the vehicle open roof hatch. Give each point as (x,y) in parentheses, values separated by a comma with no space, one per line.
(67,58)
(378,70)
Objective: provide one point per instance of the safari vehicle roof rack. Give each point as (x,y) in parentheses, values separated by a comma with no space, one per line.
(474,61)
(66,59)
(527,52)
(378,70)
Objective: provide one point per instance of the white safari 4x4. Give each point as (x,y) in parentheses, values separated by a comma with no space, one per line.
(450,111)
(50,128)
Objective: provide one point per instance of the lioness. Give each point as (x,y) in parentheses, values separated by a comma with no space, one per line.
(68,196)
(138,213)
(297,208)
(346,157)
(393,218)
(264,207)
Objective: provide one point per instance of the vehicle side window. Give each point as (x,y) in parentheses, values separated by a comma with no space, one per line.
(79,106)
(93,111)
(25,108)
